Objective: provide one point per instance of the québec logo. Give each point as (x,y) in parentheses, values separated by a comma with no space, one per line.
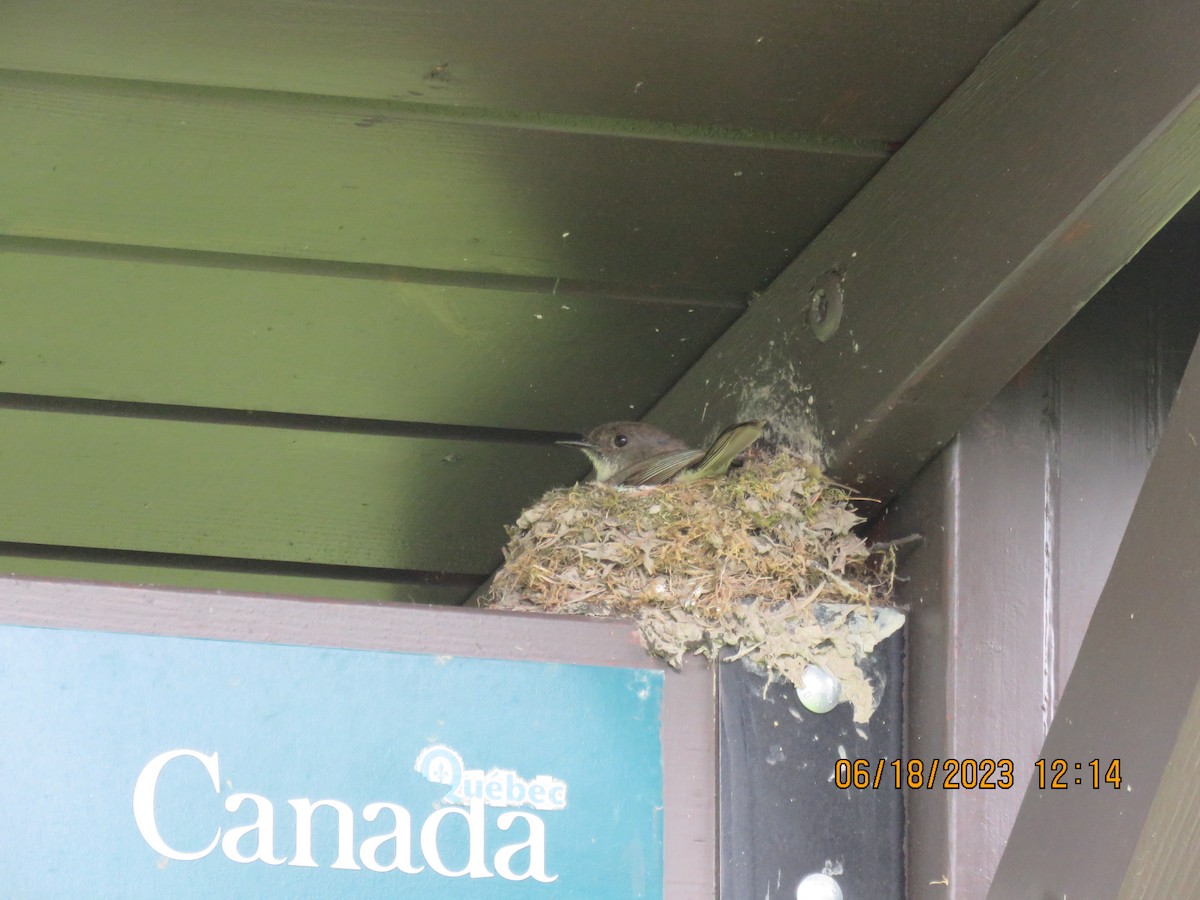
(388,846)
(498,787)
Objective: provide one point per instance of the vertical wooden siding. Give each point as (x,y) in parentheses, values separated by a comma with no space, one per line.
(1022,516)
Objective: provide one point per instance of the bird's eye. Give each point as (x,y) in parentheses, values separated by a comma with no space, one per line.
(620,440)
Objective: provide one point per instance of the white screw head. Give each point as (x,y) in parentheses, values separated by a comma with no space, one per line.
(819,691)
(818,887)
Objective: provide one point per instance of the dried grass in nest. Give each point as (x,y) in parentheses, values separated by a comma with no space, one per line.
(739,563)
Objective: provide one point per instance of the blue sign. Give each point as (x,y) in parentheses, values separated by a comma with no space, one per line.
(137,766)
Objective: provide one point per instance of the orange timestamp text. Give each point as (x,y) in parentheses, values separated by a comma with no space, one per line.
(970,774)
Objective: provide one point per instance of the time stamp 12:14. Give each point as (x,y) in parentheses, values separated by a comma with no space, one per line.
(972,774)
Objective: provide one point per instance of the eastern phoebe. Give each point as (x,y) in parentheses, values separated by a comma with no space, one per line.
(636,453)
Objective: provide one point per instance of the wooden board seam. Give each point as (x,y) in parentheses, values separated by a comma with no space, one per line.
(178,412)
(233,564)
(374,111)
(566,288)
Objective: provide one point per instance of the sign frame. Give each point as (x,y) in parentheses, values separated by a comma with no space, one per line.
(689,707)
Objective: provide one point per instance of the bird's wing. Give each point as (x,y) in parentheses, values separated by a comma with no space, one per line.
(729,443)
(658,470)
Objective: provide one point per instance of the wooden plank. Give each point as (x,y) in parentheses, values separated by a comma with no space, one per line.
(870,70)
(375,349)
(933,704)
(209,579)
(266,493)
(1036,181)
(326,178)
(1004,597)
(1120,363)
(982,594)
(492,633)
(1022,516)
(1166,861)
(1129,693)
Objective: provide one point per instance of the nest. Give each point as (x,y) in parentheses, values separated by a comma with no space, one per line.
(761,565)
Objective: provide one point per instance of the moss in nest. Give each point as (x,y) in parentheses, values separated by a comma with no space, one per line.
(734,567)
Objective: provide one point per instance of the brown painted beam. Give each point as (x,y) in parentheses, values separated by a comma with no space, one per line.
(1166,862)
(1075,139)
(1022,517)
(1128,699)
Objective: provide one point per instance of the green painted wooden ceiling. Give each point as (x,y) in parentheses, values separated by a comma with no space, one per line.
(296,296)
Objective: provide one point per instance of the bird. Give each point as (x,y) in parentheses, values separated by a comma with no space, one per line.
(638,454)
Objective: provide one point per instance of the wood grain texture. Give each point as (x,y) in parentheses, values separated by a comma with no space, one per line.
(691,793)
(1119,371)
(314,623)
(873,69)
(1066,149)
(238,339)
(1022,516)
(1166,861)
(266,493)
(934,707)
(1130,690)
(302,177)
(1003,595)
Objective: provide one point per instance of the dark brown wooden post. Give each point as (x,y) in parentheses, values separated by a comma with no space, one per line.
(1022,516)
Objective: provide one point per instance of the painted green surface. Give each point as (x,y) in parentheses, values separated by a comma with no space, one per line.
(266,493)
(832,67)
(222,159)
(324,178)
(237,339)
(233,582)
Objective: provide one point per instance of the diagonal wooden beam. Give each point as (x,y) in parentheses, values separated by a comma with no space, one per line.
(1075,139)
(1129,698)
(1166,861)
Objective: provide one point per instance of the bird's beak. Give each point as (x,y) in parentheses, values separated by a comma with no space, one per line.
(578,445)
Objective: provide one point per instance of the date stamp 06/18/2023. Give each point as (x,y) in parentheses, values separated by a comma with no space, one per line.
(973,774)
